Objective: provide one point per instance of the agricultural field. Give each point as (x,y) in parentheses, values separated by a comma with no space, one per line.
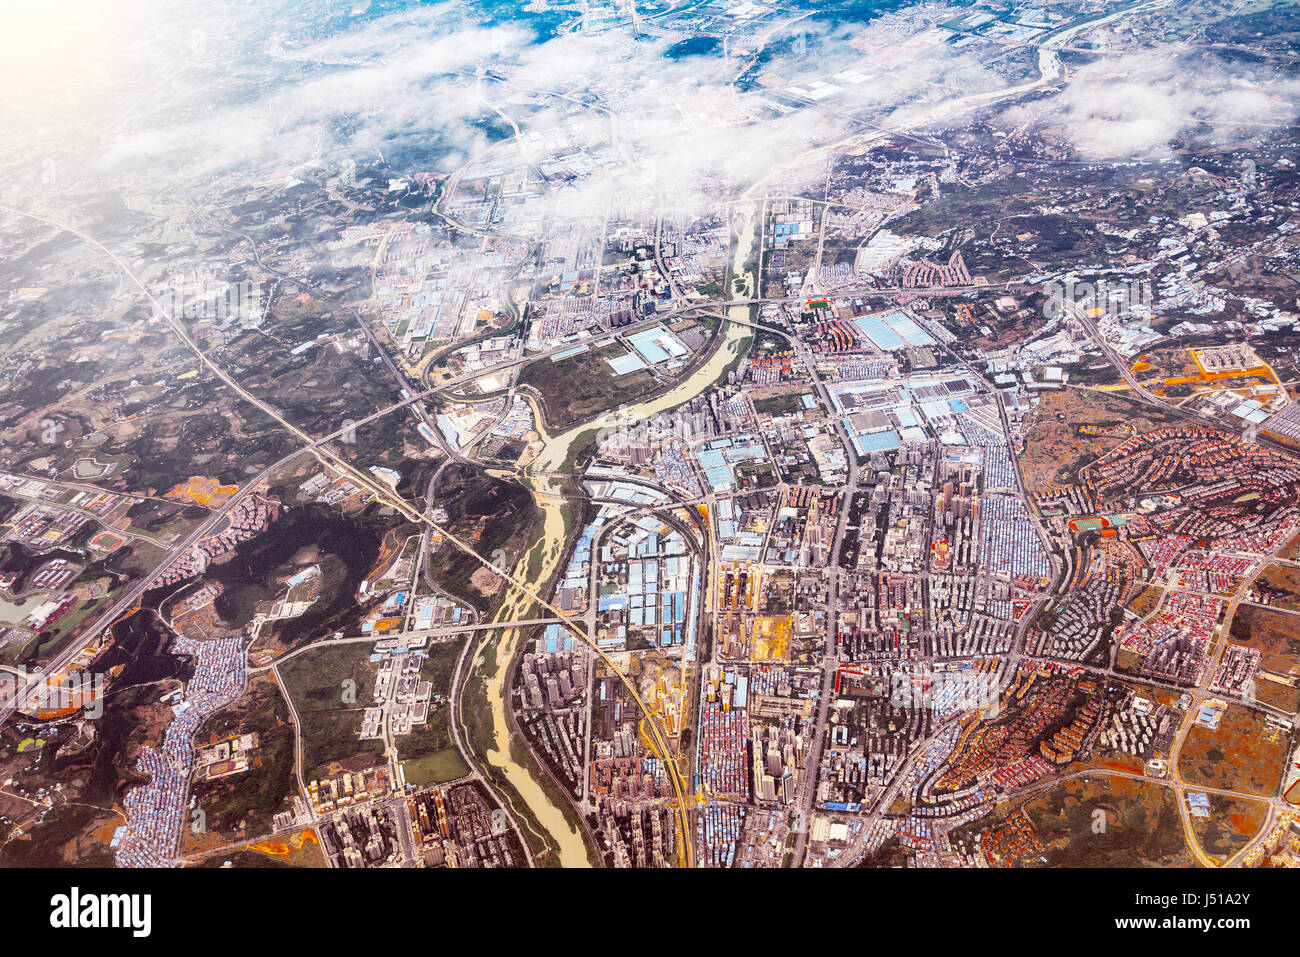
(331,687)
(1108,822)
(427,751)
(580,387)
(240,806)
(490,514)
(1273,633)
(300,849)
(1243,754)
(1055,448)
(1231,824)
(1292,550)
(1282,583)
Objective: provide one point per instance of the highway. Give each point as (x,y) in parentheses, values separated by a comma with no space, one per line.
(806,797)
(378,489)
(321,448)
(446,633)
(1145,395)
(296,721)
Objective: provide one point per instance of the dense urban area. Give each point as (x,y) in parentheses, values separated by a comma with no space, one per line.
(684,434)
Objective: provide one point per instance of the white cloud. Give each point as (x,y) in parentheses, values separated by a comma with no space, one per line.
(1138,104)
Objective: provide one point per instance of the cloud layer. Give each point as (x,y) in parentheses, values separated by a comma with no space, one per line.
(197,97)
(1137,105)
(191,94)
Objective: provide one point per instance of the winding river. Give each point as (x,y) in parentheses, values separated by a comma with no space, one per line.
(547,488)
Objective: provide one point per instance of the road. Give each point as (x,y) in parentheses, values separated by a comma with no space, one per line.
(446,633)
(1049,70)
(806,797)
(296,720)
(363,480)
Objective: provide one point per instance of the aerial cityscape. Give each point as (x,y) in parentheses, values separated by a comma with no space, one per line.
(675,434)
